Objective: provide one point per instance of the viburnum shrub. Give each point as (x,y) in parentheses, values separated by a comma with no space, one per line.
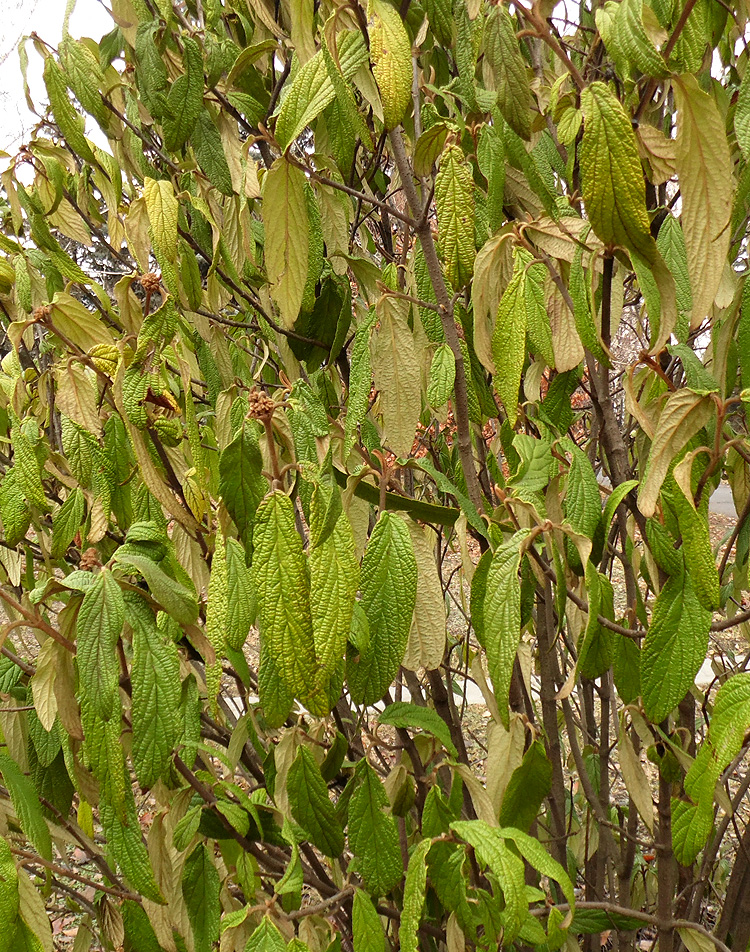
(361,366)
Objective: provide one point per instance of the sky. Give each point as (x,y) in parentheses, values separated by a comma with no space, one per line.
(45,17)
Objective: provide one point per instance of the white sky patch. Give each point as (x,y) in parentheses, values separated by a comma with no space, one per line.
(44,17)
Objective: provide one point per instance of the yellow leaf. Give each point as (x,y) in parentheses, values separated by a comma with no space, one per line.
(704,168)
(395,366)
(287,232)
(390,54)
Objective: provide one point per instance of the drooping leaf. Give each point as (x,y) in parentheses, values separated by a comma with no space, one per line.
(285,220)
(502,618)
(674,647)
(100,621)
(415,889)
(373,837)
(389,587)
(454,200)
(682,417)
(704,168)
(26,805)
(509,71)
(200,889)
(282,585)
(311,806)
(395,365)
(241,481)
(155,678)
(390,54)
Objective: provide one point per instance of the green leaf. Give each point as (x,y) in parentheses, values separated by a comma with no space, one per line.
(9,903)
(282,587)
(334,580)
(407,715)
(454,200)
(266,938)
(674,647)
(373,836)
(502,618)
(535,854)
(366,924)
(493,851)
(155,678)
(415,889)
(209,152)
(683,415)
(200,890)
(162,208)
(591,921)
(442,377)
(100,621)
(390,54)
(174,597)
(311,806)
(697,548)
(627,38)
(614,193)
(241,481)
(66,522)
(527,788)
(693,821)
(241,607)
(26,804)
(185,98)
(583,506)
(84,76)
(286,224)
(612,180)
(66,117)
(697,377)
(595,648)
(614,499)
(312,89)
(389,589)
(275,698)
(13,509)
(509,71)
(217,610)
(671,245)
(397,375)
(360,381)
(704,168)
(742,116)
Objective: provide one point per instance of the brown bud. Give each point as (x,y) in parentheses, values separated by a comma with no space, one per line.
(90,560)
(259,405)
(41,313)
(150,282)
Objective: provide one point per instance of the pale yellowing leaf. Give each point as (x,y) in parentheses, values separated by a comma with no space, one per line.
(634,776)
(426,643)
(161,205)
(396,369)
(493,269)
(566,344)
(704,167)
(76,323)
(287,236)
(390,54)
(683,415)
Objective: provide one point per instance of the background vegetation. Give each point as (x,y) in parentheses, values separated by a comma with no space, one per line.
(360,363)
